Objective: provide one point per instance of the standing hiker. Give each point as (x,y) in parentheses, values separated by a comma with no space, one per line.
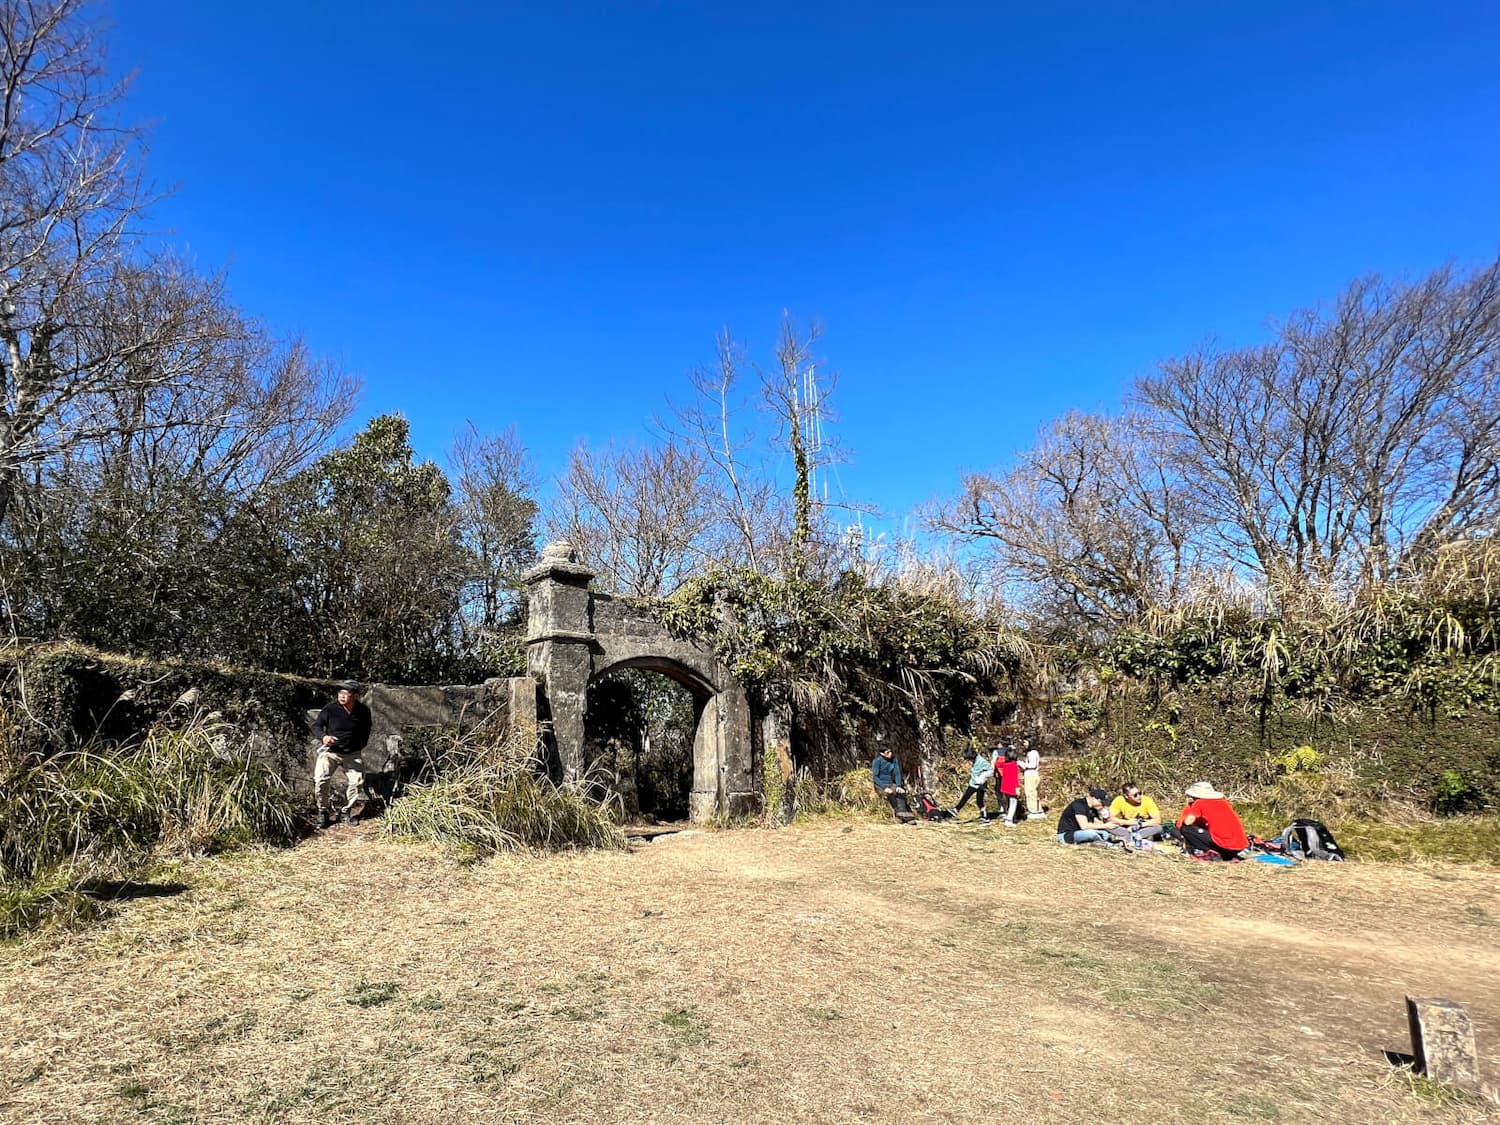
(1031,776)
(979,775)
(1008,786)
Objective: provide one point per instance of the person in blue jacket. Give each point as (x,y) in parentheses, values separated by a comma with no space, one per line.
(885,771)
(979,776)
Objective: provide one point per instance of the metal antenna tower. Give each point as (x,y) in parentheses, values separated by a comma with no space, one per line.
(810,418)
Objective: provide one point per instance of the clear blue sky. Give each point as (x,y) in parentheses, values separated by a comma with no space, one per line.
(1000,211)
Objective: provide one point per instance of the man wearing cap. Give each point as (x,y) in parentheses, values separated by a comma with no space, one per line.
(1084,821)
(1209,824)
(343,729)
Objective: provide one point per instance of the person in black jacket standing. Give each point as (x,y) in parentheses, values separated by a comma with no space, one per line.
(343,730)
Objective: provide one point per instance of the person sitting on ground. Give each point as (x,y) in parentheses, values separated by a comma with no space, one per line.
(1210,825)
(1008,788)
(979,776)
(1031,775)
(1084,821)
(343,730)
(886,773)
(1133,815)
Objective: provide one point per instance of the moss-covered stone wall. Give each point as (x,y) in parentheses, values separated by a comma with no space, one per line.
(63,696)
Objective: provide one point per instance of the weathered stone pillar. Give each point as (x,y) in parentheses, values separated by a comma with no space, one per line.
(704,801)
(520,698)
(560,646)
(738,786)
(776,756)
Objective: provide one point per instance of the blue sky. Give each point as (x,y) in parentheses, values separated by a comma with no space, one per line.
(540,214)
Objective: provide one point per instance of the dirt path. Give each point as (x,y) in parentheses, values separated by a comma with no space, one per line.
(830,973)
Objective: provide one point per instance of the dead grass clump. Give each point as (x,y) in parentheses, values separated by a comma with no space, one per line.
(847,794)
(493,795)
(102,811)
(51,901)
(182,789)
(1460,839)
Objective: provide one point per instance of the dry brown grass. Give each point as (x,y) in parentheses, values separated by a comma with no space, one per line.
(830,972)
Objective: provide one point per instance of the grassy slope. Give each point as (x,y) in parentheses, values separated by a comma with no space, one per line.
(838,971)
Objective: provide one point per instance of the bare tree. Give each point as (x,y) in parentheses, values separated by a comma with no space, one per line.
(713,423)
(1089,521)
(493,483)
(643,517)
(773,529)
(141,413)
(69,191)
(215,401)
(1358,441)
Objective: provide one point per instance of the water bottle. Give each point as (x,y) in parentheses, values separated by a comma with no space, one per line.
(1135,839)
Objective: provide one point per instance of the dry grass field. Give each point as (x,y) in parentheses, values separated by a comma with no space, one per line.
(837,972)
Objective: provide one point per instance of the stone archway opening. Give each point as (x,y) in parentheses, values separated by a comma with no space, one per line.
(576,637)
(640,725)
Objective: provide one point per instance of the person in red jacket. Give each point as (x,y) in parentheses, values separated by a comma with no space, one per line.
(1010,786)
(1209,823)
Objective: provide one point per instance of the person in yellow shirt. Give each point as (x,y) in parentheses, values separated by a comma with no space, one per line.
(1133,816)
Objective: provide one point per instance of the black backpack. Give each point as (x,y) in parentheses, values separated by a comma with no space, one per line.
(1310,839)
(929,809)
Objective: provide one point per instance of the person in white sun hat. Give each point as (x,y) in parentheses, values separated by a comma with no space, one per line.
(1209,825)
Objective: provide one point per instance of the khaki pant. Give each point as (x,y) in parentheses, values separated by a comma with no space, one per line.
(1033,801)
(354,778)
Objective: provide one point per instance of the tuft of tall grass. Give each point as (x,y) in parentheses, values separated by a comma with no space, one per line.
(493,795)
(100,811)
(848,794)
(105,809)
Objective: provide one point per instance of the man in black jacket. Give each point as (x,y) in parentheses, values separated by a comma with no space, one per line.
(343,729)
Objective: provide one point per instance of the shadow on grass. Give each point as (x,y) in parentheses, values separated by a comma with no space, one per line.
(124,890)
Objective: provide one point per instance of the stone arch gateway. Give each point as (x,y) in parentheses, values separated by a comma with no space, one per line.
(575,635)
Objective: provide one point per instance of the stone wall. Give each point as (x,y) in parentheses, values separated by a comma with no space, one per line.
(396,710)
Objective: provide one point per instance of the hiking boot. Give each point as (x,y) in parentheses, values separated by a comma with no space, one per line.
(351,816)
(1009,823)
(983,819)
(322,818)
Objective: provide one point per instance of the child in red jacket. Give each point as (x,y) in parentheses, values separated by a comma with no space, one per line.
(1010,785)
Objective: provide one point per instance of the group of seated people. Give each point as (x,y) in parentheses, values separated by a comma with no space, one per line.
(1208,825)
